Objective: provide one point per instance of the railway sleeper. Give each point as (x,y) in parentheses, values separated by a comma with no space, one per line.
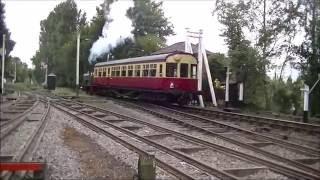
(190,150)
(6,158)
(308,161)
(131,128)
(296,174)
(158,136)
(243,172)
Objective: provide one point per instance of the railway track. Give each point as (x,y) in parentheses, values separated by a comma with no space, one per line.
(298,135)
(85,114)
(13,116)
(23,151)
(280,123)
(245,139)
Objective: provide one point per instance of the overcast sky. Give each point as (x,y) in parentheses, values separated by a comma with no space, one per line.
(23,20)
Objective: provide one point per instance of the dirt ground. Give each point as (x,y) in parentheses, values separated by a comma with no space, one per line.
(95,162)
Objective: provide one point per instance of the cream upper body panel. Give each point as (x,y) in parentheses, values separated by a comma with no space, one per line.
(182,58)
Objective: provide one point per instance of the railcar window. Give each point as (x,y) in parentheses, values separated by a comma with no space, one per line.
(171,70)
(130,70)
(96,72)
(100,73)
(104,72)
(145,70)
(183,70)
(194,71)
(113,71)
(153,70)
(160,70)
(137,70)
(124,71)
(117,71)
(108,71)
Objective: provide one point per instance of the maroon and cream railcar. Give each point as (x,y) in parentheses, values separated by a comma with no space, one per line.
(164,77)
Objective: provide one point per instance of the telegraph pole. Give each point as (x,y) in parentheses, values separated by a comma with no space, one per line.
(3,57)
(200,65)
(202,58)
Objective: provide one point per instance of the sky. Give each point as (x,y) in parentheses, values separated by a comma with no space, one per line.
(23,20)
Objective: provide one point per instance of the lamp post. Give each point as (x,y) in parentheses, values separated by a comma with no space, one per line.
(77,64)
(3,57)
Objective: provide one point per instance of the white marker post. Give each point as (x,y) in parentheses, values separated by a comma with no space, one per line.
(241,92)
(305,102)
(227,88)
(3,58)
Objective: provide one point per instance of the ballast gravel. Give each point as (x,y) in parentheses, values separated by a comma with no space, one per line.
(114,106)
(64,163)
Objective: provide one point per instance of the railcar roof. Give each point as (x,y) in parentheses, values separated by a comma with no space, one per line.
(157,57)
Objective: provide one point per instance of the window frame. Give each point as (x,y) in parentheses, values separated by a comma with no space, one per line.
(175,73)
(186,70)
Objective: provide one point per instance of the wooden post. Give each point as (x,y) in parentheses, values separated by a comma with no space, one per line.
(146,167)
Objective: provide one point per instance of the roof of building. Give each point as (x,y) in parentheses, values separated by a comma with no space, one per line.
(158,57)
(178,47)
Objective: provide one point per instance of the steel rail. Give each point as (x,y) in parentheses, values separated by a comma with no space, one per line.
(244,145)
(31,144)
(188,159)
(313,128)
(8,122)
(289,145)
(15,122)
(174,171)
(290,172)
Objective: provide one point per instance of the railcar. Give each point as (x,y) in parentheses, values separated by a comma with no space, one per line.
(165,77)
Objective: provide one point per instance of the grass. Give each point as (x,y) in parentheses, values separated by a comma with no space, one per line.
(64,91)
(20,87)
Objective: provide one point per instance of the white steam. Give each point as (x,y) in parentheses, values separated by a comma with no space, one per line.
(112,34)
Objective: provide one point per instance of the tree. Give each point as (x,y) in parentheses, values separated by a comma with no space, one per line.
(148,19)
(309,50)
(4,30)
(245,60)
(58,31)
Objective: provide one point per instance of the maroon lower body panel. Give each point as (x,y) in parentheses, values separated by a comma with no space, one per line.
(148,83)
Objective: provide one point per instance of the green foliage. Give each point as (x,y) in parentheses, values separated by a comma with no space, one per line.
(4,30)
(9,44)
(23,74)
(150,29)
(148,19)
(217,63)
(124,49)
(58,41)
(286,95)
(149,44)
(244,60)
(309,51)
